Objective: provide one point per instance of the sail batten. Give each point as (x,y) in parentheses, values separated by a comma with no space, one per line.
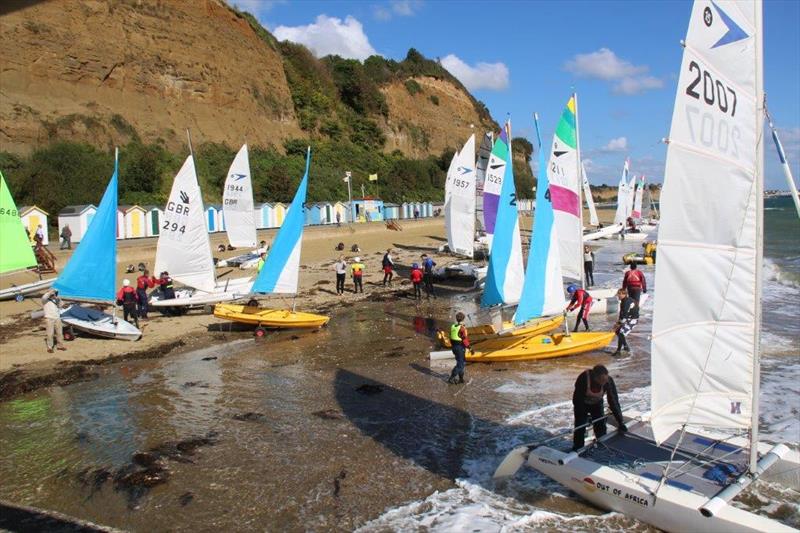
(237,202)
(706,315)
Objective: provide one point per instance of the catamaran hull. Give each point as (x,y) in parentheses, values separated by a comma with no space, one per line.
(98,323)
(235,290)
(26,289)
(602,233)
(604,301)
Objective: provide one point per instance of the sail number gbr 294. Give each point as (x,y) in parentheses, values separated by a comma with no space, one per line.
(178,210)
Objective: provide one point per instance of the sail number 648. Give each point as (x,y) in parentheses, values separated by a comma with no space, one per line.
(714,91)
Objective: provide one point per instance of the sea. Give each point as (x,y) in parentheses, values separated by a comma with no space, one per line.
(350,428)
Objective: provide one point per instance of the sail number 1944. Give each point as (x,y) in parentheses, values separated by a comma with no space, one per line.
(714,91)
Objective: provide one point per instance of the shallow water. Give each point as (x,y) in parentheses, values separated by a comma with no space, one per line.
(344,428)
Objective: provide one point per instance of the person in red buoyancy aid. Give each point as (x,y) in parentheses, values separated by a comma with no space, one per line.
(635,283)
(127,298)
(582,301)
(143,282)
(416,280)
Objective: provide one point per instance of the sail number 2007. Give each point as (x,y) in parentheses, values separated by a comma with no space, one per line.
(714,91)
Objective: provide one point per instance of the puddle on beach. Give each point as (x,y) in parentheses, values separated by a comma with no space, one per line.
(338,429)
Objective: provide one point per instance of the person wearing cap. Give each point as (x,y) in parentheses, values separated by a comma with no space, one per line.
(582,301)
(127,298)
(52,315)
(357,271)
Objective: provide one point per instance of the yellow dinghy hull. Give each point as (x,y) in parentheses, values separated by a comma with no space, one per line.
(269,318)
(487,331)
(538,347)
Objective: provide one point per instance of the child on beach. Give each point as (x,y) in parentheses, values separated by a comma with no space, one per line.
(357,269)
(416,280)
(388,266)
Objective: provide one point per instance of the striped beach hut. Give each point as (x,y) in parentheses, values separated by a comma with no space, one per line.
(134,218)
(121,221)
(391,211)
(278,214)
(313,214)
(258,215)
(153,216)
(32,216)
(212,218)
(78,218)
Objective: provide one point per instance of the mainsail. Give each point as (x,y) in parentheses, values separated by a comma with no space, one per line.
(15,247)
(587,193)
(706,318)
(237,202)
(281,270)
(622,196)
(506,272)
(460,203)
(637,202)
(480,176)
(492,187)
(184,249)
(90,274)
(565,192)
(631,197)
(543,291)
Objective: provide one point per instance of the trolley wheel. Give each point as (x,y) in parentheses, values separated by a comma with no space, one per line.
(260,332)
(252,302)
(19,297)
(69,334)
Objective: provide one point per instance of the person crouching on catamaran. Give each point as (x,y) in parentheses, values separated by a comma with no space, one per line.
(459,340)
(628,318)
(587,401)
(582,301)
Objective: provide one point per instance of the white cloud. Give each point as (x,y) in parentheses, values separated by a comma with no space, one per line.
(401,8)
(605,65)
(257,7)
(330,36)
(620,144)
(492,76)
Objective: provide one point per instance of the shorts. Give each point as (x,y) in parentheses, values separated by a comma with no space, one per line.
(626,325)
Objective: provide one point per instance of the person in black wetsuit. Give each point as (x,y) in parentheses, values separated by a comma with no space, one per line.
(628,318)
(587,401)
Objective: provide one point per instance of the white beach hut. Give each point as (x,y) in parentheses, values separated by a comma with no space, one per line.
(78,218)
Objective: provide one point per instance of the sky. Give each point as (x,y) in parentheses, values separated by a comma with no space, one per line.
(520,57)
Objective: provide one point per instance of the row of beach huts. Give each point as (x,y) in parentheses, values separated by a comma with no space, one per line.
(135,221)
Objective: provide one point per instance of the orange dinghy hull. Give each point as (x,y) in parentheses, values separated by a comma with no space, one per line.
(269,318)
(539,347)
(488,332)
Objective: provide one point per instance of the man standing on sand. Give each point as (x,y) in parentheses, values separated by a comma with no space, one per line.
(66,238)
(635,283)
(459,340)
(340,267)
(143,282)
(388,266)
(427,275)
(52,316)
(357,270)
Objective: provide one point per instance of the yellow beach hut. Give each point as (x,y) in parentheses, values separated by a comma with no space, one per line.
(32,216)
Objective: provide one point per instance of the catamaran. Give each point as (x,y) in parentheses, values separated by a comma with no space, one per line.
(184,248)
(279,275)
(90,274)
(680,466)
(16,253)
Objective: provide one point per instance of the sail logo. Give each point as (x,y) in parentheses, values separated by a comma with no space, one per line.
(184,197)
(736,408)
(464,170)
(735,32)
(238,177)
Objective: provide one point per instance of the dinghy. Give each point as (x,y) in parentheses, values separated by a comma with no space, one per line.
(237,202)
(184,248)
(532,348)
(90,274)
(508,329)
(680,467)
(280,274)
(16,253)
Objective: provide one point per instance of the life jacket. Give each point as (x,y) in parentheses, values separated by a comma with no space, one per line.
(143,282)
(582,297)
(592,397)
(416,275)
(357,269)
(633,279)
(128,296)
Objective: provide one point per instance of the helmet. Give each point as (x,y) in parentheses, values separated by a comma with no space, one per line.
(357,259)
(572,288)
(414,265)
(126,282)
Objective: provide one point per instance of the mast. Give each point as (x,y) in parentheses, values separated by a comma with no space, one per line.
(759,199)
(580,188)
(787,171)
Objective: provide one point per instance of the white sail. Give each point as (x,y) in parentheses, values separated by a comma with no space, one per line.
(707,313)
(637,202)
(448,195)
(622,195)
(587,193)
(631,197)
(237,202)
(460,207)
(481,165)
(183,248)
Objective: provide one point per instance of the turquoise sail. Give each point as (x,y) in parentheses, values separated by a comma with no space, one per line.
(280,272)
(505,273)
(542,292)
(90,274)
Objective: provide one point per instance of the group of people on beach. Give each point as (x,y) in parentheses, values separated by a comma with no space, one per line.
(421,275)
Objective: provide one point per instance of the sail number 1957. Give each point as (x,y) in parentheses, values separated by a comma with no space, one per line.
(714,91)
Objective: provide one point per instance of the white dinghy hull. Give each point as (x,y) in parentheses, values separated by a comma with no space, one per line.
(99,323)
(16,291)
(187,297)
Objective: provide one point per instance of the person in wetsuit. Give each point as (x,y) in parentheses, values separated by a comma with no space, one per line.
(634,282)
(587,401)
(628,318)
(459,340)
(582,301)
(128,299)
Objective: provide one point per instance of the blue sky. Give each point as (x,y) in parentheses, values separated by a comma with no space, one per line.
(622,57)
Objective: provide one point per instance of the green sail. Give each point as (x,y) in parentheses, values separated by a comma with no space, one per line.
(15,248)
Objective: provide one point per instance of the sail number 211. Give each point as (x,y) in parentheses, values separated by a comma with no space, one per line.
(713,90)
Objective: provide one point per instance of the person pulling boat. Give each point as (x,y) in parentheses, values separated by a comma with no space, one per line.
(587,401)
(581,300)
